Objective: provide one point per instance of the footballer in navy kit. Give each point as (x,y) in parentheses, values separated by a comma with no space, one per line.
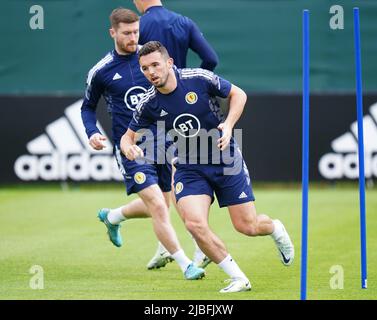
(176,32)
(190,111)
(185,100)
(118,78)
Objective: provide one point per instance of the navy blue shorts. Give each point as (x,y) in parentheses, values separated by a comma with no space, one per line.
(209,179)
(140,176)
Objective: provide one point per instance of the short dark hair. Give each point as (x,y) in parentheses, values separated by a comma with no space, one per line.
(122,15)
(153,46)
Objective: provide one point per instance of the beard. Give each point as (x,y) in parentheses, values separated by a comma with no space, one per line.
(127,48)
(163,82)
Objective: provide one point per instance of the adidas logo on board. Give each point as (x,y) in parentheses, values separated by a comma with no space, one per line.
(343,162)
(63,153)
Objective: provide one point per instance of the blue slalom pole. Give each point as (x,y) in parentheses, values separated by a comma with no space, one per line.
(360,134)
(305,151)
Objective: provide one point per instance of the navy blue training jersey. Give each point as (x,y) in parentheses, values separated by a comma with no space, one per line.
(119,80)
(187,112)
(178,34)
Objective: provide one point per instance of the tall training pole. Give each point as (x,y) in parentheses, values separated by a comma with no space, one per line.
(305,150)
(360,134)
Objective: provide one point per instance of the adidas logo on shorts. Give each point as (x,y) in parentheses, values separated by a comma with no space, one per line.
(243,195)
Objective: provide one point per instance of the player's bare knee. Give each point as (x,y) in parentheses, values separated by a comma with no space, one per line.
(252,231)
(247,229)
(263,217)
(158,207)
(196,227)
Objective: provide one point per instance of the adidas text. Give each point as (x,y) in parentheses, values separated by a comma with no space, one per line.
(63,153)
(78,167)
(338,166)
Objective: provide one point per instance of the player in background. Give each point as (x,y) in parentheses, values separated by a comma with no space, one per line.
(117,77)
(178,34)
(187,97)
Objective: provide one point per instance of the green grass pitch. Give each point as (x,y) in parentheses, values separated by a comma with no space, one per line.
(58,230)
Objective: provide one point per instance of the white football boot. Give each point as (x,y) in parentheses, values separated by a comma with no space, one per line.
(159,260)
(200,259)
(284,245)
(237,285)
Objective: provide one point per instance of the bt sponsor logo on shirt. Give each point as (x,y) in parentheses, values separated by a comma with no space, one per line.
(133,96)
